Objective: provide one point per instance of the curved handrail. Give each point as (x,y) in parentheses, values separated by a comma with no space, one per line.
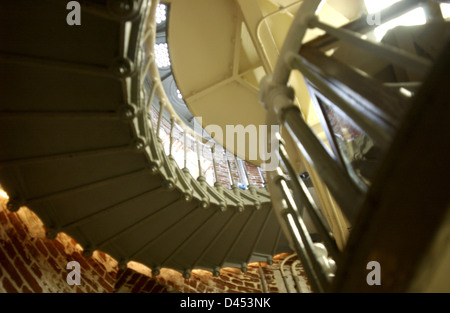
(149,38)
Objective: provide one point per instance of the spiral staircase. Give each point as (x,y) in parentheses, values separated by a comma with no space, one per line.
(81,147)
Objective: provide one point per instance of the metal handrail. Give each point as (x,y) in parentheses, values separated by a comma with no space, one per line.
(149,37)
(278,99)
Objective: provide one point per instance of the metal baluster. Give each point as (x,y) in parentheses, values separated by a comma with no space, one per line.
(238,169)
(200,173)
(216,178)
(230,176)
(262,177)
(244,169)
(161,110)
(172,122)
(185,148)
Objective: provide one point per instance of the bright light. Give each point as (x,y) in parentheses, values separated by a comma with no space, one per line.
(160,13)
(162,55)
(179,94)
(3,194)
(445,9)
(374,6)
(414,17)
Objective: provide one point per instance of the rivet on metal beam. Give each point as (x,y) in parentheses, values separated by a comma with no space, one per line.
(127,111)
(139,143)
(122,67)
(187,274)
(156,271)
(123,264)
(187,197)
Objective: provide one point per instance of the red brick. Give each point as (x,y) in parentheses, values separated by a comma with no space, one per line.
(139,284)
(105,285)
(51,248)
(230,286)
(273,289)
(28,276)
(32,250)
(245,289)
(89,283)
(21,249)
(224,278)
(247,284)
(158,289)
(3,218)
(80,259)
(133,279)
(9,248)
(110,278)
(25,289)
(35,268)
(9,286)
(41,247)
(98,268)
(58,245)
(202,288)
(149,285)
(193,283)
(18,226)
(10,269)
(122,278)
(237,282)
(57,267)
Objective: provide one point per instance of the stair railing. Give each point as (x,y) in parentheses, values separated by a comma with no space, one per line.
(369,112)
(167,131)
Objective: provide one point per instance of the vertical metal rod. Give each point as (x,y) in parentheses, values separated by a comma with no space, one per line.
(150,98)
(244,169)
(200,173)
(230,176)
(172,122)
(262,176)
(238,168)
(185,147)
(161,110)
(216,177)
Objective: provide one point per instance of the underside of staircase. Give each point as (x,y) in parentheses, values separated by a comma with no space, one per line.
(77,148)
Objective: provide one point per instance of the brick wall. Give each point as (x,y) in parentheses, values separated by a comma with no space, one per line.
(29,262)
(32,263)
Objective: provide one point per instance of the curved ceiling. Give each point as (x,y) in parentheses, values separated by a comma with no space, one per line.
(220,50)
